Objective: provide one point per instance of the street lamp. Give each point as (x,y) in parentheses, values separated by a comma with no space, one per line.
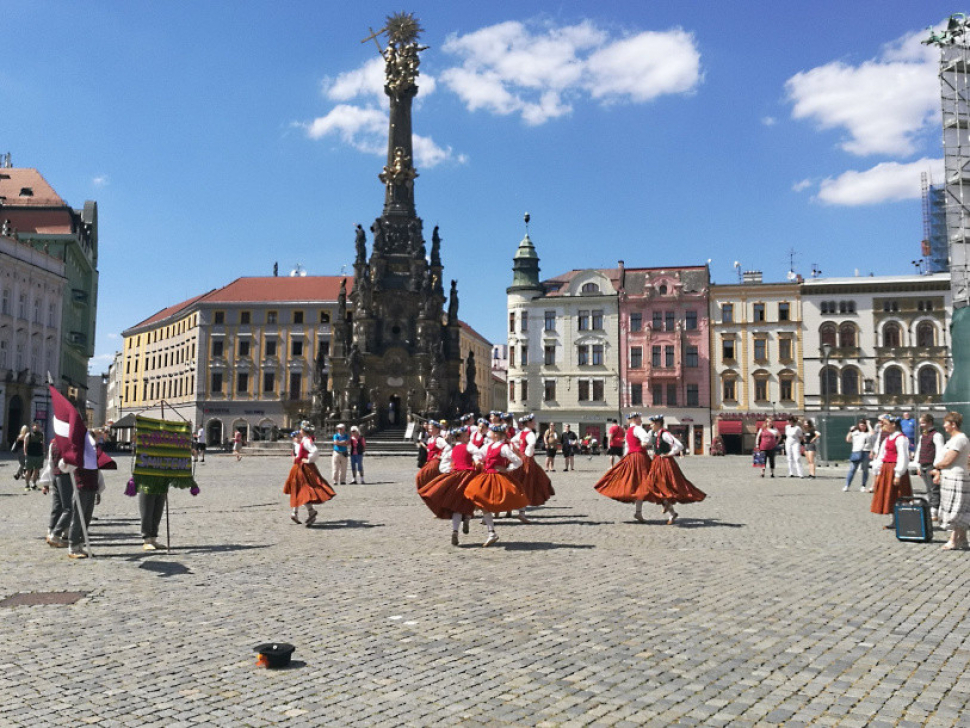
(826,384)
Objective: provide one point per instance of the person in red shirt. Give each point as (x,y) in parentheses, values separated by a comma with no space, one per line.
(616,439)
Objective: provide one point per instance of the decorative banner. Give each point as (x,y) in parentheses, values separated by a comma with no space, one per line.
(163,455)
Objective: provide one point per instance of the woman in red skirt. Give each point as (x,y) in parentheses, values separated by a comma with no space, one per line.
(626,481)
(305,485)
(493,490)
(892,466)
(445,495)
(531,479)
(437,447)
(666,483)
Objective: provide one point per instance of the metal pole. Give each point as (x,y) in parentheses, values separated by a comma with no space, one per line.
(168,528)
(78,511)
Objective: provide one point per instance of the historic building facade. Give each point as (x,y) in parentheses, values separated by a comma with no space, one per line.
(32,286)
(476,351)
(33,213)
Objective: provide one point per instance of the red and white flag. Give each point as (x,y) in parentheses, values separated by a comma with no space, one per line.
(73,440)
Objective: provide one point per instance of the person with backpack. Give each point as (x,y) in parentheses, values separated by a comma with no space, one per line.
(767,442)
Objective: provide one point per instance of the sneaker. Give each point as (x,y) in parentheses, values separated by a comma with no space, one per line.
(845,489)
(27,488)
(76,554)
(492,538)
(862,489)
(673,518)
(149,545)
(294,518)
(57,542)
(353,482)
(362,481)
(639,518)
(772,475)
(454,538)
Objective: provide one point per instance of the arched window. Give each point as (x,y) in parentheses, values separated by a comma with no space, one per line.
(827,334)
(829,380)
(926,335)
(893,381)
(928,381)
(847,335)
(850,381)
(590,288)
(891,335)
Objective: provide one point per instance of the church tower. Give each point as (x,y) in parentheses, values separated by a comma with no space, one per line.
(395,349)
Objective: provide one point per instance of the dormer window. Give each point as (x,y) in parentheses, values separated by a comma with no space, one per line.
(590,288)
(26,191)
(662,289)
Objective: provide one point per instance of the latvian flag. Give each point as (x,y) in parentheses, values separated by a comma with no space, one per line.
(73,440)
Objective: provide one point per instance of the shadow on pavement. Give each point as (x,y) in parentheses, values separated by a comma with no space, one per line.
(165,568)
(346,523)
(706,523)
(541,546)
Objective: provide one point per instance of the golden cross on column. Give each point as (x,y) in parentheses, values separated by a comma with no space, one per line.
(373,36)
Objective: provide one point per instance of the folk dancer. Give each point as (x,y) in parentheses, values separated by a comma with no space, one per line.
(892,461)
(626,481)
(478,434)
(531,479)
(305,485)
(437,447)
(666,481)
(445,494)
(493,490)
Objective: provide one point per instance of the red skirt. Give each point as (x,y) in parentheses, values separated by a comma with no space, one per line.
(428,472)
(494,492)
(627,480)
(305,485)
(667,483)
(533,481)
(446,494)
(885,492)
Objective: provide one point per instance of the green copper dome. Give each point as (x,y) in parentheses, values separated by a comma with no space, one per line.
(525,266)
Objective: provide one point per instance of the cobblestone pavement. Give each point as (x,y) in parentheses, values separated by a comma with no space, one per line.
(774,602)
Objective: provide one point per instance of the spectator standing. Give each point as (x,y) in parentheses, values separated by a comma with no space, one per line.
(569,441)
(341,449)
(929,449)
(811,438)
(551,440)
(862,437)
(200,443)
(793,447)
(767,442)
(908,425)
(357,446)
(951,471)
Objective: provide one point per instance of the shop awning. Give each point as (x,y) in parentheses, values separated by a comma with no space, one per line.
(729,427)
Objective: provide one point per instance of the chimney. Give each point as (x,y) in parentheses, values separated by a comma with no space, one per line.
(622,276)
(752,276)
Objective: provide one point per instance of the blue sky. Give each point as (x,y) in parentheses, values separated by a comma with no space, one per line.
(221,137)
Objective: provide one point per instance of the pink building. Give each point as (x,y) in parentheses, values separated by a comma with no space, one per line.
(665,348)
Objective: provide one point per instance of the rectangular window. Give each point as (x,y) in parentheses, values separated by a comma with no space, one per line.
(671,395)
(727,349)
(323,350)
(582,355)
(636,394)
(761,389)
(525,356)
(669,320)
(658,321)
(636,321)
(219,318)
(296,386)
(582,320)
(784,312)
(271,317)
(728,390)
(512,356)
(597,355)
(296,347)
(549,395)
(524,322)
(636,357)
(690,320)
(658,394)
(584,390)
(597,320)
(298,317)
(549,355)
(727,313)
(511,322)
(217,345)
(244,348)
(242,382)
(693,395)
(690,357)
(787,389)
(759,312)
(669,357)
(655,356)
(269,382)
(325,317)
(550,321)
(761,349)
(511,391)
(784,349)
(271,347)
(244,317)
(524,385)
(598,393)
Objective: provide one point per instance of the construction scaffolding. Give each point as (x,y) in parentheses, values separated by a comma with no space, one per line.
(935,249)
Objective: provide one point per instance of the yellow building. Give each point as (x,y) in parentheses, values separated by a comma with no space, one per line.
(470,341)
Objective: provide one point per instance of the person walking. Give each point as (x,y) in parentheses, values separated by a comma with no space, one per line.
(626,481)
(569,442)
(766,442)
(88,483)
(200,443)
(33,457)
(811,438)
(237,445)
(551,440)
(929,449)
(62,500)
(892,461)
(304,484)
(793,447)
(18,448)
(357,447)
(862,437)
(338,461)
(950,470)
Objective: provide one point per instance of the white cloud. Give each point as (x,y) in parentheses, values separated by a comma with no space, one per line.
(509,69)
(368,81)
(769,120)
(100,181)
(803,185)
(886,182)
(883,104)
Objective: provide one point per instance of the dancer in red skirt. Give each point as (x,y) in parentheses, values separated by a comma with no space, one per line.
(531,479)
(478,434)
(892,465)
(305,485)
(666,483)
(445,495)
(626,481)
(437,447)
(493,490)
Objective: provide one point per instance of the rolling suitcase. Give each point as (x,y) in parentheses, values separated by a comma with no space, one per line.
(913,520)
